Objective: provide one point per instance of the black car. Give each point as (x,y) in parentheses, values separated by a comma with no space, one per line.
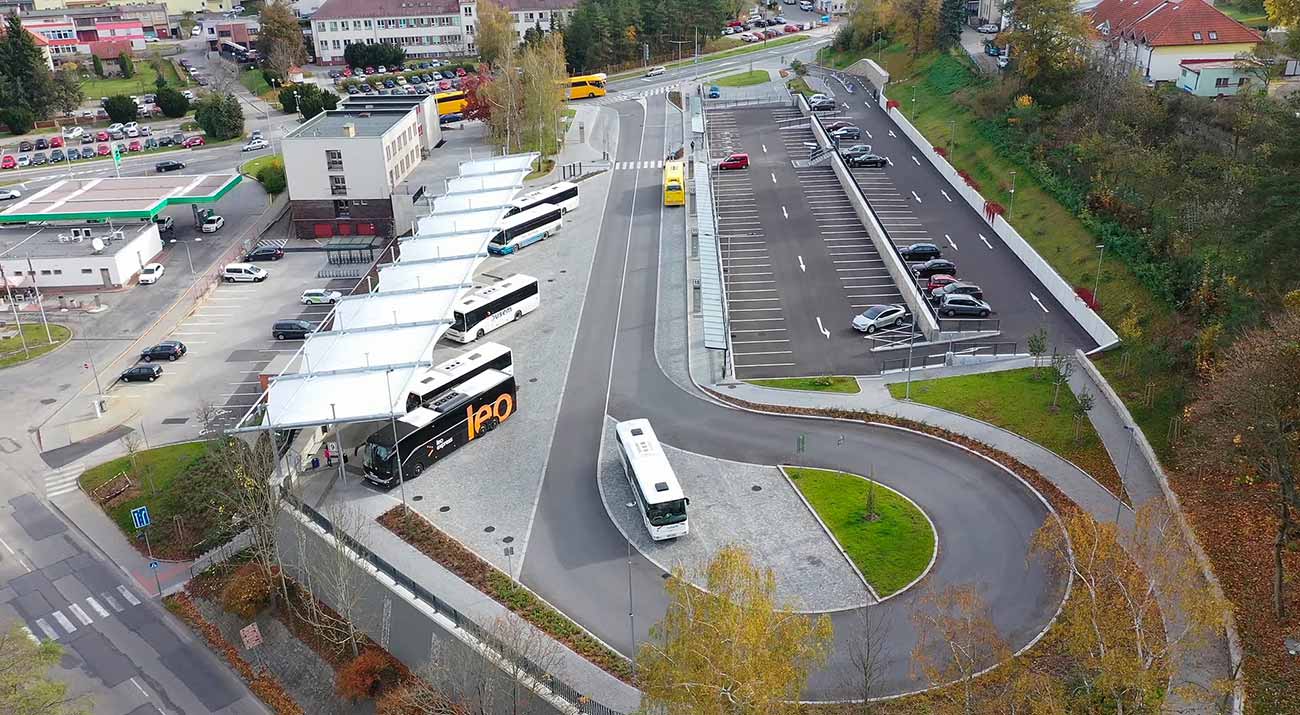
(73,153)
(141,373)
(58,155)
(859,161)
(934,267)
(168,165)
(42,143)
(39,158)
(166,350)
(265,253)
(24,145)
(389,83)
(151,143)
(292,329)
(822,105)
(178,138)
(449,118)
(164,141)
(919,252)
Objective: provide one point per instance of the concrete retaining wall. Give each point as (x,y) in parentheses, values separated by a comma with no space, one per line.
(1060,289)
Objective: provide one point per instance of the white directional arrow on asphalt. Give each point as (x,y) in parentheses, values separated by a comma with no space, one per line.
(783,213)
(764,148)
(868,134)
(1039,302)
(892,134)
(823,330)
(945,195)
(773,177)
(986,242)
(802,267)
(951,242)
(915,160)
(891,161)
(918,198)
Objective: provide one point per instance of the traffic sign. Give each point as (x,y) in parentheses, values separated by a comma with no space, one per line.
(140,517)
(153,565)
(251,635)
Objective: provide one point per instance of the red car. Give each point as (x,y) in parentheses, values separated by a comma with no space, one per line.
(193,141)
(771,34)
(56,142)
(735,161)
(735,23)
(939,280)
(101,136)
(347,71)
(460,71)
(837,125)
(444,85)
(370,70)
(103,149)
(791,28)
(8,162)
(135,146)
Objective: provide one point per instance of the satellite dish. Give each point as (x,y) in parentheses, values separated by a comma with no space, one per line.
(97,244)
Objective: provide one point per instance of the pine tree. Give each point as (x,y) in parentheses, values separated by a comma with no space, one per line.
(952,13)
(26,78)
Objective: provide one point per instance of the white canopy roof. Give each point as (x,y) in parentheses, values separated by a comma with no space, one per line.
(382,339)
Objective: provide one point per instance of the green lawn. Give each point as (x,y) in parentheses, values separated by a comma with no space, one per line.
(891,551)
(1248,16)
(11,348)
(1051,228)
(255,82)
(800,85)
(834,383)
(743,79)
(253,166)
(141,83)
(1016,402)
(752,47)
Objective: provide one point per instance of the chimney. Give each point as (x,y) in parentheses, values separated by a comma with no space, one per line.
(350,129)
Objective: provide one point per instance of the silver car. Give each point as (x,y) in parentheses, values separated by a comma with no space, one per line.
(879,316)
(955,304)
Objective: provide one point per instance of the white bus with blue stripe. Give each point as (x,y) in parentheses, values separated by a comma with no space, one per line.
(563,194)
(526,228)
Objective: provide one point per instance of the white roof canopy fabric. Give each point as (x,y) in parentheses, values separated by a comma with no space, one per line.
(382,340)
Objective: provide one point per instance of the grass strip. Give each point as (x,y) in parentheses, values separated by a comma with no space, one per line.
(743,79)
(38,343)
(832,383)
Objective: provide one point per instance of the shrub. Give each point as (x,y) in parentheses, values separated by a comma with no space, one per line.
(247,592)
(1088,298)
(122,108)
(125,65)
(366,675)
(172,103)
(273,178)
(19,120)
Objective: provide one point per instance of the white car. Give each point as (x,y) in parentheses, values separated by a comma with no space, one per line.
(988,29)
(73,132)
(255,145)
(877,317)
(151,273)
(194,32)
(317,296)
(212,224)
(116,127)
(819,97)
(188,94)
(656,71)
(10,194)
(24,160)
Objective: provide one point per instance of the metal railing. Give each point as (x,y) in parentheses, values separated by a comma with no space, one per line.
(969,325)
(983,349)
(562,690)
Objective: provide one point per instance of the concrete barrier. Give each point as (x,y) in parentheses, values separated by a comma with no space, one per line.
(1086,317)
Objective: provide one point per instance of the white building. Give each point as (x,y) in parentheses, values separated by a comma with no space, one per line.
(343,166)
(425,28)
(85,256)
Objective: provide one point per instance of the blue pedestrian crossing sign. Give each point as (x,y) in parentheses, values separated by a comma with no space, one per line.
(140,517)
(153,565)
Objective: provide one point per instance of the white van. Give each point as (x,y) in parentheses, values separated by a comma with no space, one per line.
(243,272)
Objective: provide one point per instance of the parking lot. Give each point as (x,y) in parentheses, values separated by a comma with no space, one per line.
(229,343)
(797,261)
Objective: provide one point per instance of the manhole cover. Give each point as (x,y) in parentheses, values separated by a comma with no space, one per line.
(756,488)
(509,540)
(48,401)
(444,509)
(418,497)
(176,420)
(490,529)
(531,379)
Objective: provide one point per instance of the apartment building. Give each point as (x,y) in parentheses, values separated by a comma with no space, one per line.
(174,7)
(70,35)
(343,166)
(152,17)
(425,28)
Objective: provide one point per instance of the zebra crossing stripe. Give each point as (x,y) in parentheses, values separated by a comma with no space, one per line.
(112,602)
(45,628)
(79,613)
(32,636)
(63,621)
(103,613)
(126,593)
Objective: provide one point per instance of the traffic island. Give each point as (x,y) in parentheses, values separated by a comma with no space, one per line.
(18,347)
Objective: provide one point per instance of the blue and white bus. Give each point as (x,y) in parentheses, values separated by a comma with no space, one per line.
(659,497)
(490,307)
(563,194)
(525,228)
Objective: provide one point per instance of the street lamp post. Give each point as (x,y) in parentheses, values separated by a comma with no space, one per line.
(911,341)
(631,618)
(1096,284)
(1132,434)
(914,103)
(1011,209)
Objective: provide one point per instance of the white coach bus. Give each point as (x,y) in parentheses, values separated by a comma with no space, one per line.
(490,307)
(563,194)
(658,495)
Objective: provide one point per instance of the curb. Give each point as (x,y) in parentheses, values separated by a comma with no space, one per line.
(871,590)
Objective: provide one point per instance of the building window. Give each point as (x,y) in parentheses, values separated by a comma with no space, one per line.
(336,44)
(367,24)
(1214,35)
(1221,82)
(469,11)
(87,271)
(334,160)
(334,26)
(341,209)
(1243,81)
(45,271)
(339,185)
(58,272)
(1196,36)
(324,45)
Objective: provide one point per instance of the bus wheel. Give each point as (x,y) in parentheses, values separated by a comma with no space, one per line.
(480,334)
(519,314)
(417,469)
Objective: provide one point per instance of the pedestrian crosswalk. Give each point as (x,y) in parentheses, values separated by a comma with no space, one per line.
(63,480)
(57,624)
(615,97)
(635,165)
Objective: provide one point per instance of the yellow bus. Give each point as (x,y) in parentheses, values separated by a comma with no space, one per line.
(450,102)
(674,183)
(587,85)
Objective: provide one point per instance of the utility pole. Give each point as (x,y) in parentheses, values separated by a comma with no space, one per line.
(17,320)
(31,271)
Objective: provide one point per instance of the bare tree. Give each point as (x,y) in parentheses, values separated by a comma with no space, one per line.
(1062,369)
(1084,402)
(332,579)
(524,650)
(869,654)
(140,468)
(223,75)
(956,640)
(254,498)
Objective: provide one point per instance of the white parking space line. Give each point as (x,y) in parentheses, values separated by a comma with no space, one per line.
(761,330)
(766,352)
(760,320)
(756,342)
(753,310)
(765,364)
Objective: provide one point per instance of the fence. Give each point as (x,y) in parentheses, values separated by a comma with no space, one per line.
(970,325)
(562,690)
(989,349)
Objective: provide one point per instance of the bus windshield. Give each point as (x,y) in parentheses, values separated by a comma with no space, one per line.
(458,322)
(673,512)
(377,458)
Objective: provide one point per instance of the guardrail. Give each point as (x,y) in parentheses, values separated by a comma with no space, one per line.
(987,349)
(562,690)
(970,325)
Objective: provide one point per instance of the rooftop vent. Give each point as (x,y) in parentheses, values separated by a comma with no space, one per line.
(349,129)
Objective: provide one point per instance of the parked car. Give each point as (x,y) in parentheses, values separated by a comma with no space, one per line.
(877,317)
(193,141)
(939,280)
(212,224)
(10,194)
(168,350)
(73,153)
(316,296)
(8,162)
(256,145)
(151,273)
(39,158)
(868,161)
(854,149)
(56,142)
(24,160)
(452,117)
(103,150)
(822,105)
(143,373)
(920,252)
(656,71)
(116,127)
(57,155)
(169,165)
(988,28)
(735,161)
(847,133)
(265,253)
(728,30)
(955,287)
(135,145)
(955,304)
(42,143)
(791,28)
(88,138)
(714,92)
(73,132)
(292,329)
(934,266)
(102,135)
(150,143)
(243,273)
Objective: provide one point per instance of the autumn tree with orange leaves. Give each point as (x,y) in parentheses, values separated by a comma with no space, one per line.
(1246,422)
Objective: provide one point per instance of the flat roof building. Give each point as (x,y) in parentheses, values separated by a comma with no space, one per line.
(85,256)
(344,165)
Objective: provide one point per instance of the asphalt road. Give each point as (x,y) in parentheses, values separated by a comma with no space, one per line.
(577,559)
(1018,298)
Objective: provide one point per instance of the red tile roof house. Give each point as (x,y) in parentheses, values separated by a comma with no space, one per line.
(1156,36)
